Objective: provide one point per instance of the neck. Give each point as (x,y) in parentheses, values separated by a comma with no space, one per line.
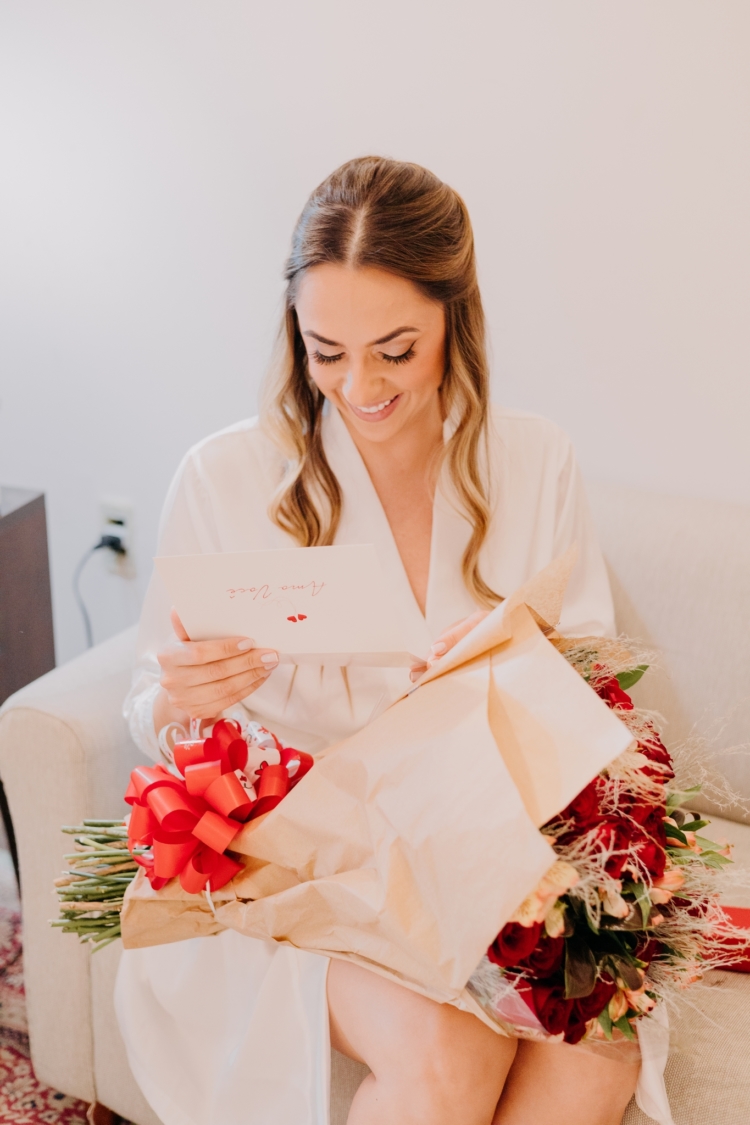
(408,452)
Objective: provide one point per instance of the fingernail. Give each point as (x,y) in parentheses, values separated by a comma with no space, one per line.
(269,659)
(243,646)
(439,648)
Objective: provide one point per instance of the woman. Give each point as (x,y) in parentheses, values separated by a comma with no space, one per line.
(376,427)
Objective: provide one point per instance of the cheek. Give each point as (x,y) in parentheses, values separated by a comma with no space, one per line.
(428,370)
(324,377)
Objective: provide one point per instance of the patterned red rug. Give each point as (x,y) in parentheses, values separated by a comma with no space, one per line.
(23,1100)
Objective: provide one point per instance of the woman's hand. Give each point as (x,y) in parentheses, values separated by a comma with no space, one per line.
(447,640)
(200,679)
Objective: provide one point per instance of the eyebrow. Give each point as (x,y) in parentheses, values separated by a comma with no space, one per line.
(383,339)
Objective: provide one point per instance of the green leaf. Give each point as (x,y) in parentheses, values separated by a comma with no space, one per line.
(628,972)
(674,800)
(713,859)
(675,833)
(626,680)
(606,1023)
(681,856)
(623,1025)
(591,923)
(580,969)
(694,825)
(640,891)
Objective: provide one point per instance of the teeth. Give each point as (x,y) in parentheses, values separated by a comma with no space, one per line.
(375,409)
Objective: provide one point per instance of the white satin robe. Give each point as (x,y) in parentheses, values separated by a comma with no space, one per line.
(230,1030)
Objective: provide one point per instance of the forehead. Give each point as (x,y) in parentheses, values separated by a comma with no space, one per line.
(344,303)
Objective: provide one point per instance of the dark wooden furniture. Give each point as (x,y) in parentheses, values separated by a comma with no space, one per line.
(27,645)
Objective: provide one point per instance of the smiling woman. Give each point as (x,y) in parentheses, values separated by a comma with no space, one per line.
(376,428)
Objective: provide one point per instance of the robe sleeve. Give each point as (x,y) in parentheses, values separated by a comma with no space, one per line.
(588,609)
(187,527)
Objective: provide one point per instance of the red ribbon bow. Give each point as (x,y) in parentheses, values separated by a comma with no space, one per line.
(189,822)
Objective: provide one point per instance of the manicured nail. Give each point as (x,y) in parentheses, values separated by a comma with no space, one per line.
(439,648)
(243,646)
(269,659)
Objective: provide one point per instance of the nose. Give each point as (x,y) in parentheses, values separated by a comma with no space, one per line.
(361,387)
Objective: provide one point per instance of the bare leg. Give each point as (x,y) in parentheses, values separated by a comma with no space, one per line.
(431,1064)
(566,1085)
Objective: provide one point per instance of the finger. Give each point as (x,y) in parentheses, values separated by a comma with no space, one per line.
(205,652)
(454,634)
(179,628)
(209,699)
(176,674)
(416,671)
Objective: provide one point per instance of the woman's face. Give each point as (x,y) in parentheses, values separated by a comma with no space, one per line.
(376,347)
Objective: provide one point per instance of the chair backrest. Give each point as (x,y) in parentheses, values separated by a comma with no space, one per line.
(680,573)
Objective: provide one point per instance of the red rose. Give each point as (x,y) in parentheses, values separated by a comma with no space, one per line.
(583,810)
(587,1008)
(616,833)
(655,750)
(551,1006)
(647,949)
(653,857)
(647,815)
(513,943)
(594,1004)
(576,1028)
(546,959)
(612,694)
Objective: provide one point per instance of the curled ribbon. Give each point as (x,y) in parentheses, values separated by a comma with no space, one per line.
(188,822)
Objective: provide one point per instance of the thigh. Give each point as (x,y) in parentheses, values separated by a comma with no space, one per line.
(568,1085)
(392,1029)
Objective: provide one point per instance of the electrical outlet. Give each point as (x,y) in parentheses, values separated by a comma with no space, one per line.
(117,519)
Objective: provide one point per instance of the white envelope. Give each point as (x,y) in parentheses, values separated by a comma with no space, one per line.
(321,605)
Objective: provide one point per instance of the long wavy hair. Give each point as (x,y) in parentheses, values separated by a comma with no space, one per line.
(401,218)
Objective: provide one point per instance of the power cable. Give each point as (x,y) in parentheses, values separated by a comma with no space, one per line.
(112,543)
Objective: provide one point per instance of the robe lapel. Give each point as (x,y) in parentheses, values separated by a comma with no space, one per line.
(364,521)
(448,600)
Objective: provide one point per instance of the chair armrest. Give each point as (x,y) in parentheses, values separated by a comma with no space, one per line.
(65,754)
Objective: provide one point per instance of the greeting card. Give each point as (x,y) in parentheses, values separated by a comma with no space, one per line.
(322,605)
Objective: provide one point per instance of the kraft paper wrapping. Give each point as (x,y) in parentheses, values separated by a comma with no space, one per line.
(409,845)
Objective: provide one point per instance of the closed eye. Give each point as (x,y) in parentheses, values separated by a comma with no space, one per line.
(403,358)
(320,358)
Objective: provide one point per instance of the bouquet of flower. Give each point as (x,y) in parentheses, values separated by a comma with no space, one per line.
(630,910)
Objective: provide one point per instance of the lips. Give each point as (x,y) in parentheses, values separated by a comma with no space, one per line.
(377,411)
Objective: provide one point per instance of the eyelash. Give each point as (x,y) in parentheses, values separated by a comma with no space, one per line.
(404,358)
(320,358)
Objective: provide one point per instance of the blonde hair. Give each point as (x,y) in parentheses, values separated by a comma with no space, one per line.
(400,218)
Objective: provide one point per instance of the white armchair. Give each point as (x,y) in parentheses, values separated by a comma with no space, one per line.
(681,577)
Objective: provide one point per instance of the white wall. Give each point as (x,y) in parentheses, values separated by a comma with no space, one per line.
(155,154)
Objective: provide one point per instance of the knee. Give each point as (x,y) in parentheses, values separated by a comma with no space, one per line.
(451,1069)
